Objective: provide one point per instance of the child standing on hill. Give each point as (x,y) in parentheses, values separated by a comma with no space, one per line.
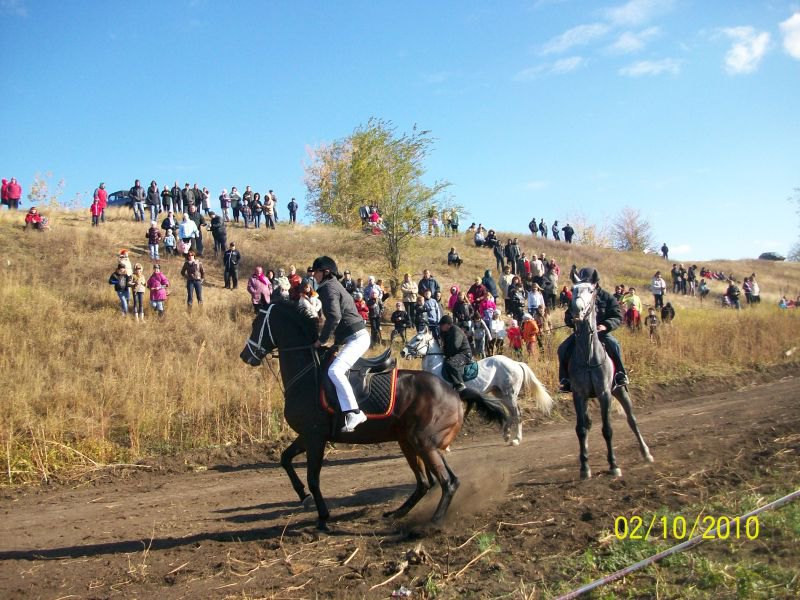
(153,236)
(122,285)
(170,243)
(401,322)
(480,336)
(375,312)
(498,329)
(515,339)
(530,331)
(139,285)
(158,284)
(125,262)
(96,210)
(651,322)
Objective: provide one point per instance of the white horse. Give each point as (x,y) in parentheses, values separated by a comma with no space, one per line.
(497,375)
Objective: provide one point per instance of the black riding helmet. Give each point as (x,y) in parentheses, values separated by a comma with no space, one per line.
(589,275)
(325,263)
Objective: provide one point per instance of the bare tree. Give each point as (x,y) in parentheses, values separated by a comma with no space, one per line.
(631,231)
(588,233)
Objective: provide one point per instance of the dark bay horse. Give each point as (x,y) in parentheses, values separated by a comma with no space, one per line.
(591,375)
(427,415)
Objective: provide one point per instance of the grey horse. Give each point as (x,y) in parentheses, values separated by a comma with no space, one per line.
(591,375)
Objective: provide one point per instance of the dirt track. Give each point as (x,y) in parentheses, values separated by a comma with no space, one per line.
(234,528)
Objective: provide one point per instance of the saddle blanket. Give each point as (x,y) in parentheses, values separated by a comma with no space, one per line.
(376,400)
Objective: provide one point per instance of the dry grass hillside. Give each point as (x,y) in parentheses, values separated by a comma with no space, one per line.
(85,387)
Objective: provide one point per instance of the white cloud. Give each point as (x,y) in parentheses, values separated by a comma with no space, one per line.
(633,41)
(748,49)
(652,67)
(577,36)
(565,65)
(791,35)
(536,185)
(636,12)
(17,8)
(559,67)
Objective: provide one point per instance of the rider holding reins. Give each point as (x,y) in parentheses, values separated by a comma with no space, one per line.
(349,332)
(609,317)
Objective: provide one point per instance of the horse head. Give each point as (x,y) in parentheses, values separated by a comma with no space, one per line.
(583,302)
(277,325)
(418,346)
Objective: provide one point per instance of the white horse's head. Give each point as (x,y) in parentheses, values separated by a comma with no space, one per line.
(583,301)
(418,346)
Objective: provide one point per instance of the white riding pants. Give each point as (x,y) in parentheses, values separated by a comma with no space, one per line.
(354,348)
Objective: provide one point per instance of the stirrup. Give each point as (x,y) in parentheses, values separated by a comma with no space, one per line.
(621,379)
(353,420)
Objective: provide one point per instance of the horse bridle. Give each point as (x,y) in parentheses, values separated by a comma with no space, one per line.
(426,344)
(257,349)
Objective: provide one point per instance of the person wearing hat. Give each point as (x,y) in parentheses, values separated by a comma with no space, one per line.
(153,236)
(456,350)
(230,263)
(401,321)
(609,317)
(349,283)
(347,328)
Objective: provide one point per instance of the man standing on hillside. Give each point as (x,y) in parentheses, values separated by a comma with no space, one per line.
(542,229)
(138,196)
(101,195)
(556,231)
(513,255)
(292,206)
(200,221)
(665,251)
(177,199)
(568,233)
(428,283)
(231,263)
(194,274)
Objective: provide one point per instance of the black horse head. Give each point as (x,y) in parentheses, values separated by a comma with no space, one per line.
(278,325)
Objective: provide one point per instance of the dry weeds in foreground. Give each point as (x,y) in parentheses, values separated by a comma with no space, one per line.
(85,387)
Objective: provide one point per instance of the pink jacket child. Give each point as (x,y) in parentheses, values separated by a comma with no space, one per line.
(451,303)
(158,284)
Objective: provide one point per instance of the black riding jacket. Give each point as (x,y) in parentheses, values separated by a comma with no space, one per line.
(456,343)
(608,311)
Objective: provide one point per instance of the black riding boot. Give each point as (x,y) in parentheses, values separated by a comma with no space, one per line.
(615,354)
(564,350)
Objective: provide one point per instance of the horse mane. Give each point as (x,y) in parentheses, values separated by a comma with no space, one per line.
(299,319)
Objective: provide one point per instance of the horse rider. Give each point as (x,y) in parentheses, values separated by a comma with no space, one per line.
(349,332)
(456,350)
(609,317)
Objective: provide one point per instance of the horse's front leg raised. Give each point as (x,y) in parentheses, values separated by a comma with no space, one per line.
(624,398)
(582,429)
(295,448)
(605,402)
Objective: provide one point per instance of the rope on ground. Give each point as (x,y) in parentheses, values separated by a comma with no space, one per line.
(698,539)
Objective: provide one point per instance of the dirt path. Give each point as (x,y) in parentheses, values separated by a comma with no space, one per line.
(228,529)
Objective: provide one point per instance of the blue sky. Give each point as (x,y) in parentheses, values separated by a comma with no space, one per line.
(684,109)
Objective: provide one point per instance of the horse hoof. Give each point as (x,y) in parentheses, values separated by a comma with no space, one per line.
(649,458)
(586,475)
(616,472)
(308,502)
(515,442)
(322,526)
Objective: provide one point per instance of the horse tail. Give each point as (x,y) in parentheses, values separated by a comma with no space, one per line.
(489,408)
(544,402)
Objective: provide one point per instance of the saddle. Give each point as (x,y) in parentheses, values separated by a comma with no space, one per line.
(374,382)
(469,372)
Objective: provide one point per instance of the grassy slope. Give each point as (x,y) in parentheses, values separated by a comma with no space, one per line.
(82,383)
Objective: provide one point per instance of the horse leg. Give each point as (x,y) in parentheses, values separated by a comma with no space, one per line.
(417,466)
(517,418)
(582,429)
(295,448)
(315,451)
(624,398)
(509,406)
(447,480)
(608,433)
